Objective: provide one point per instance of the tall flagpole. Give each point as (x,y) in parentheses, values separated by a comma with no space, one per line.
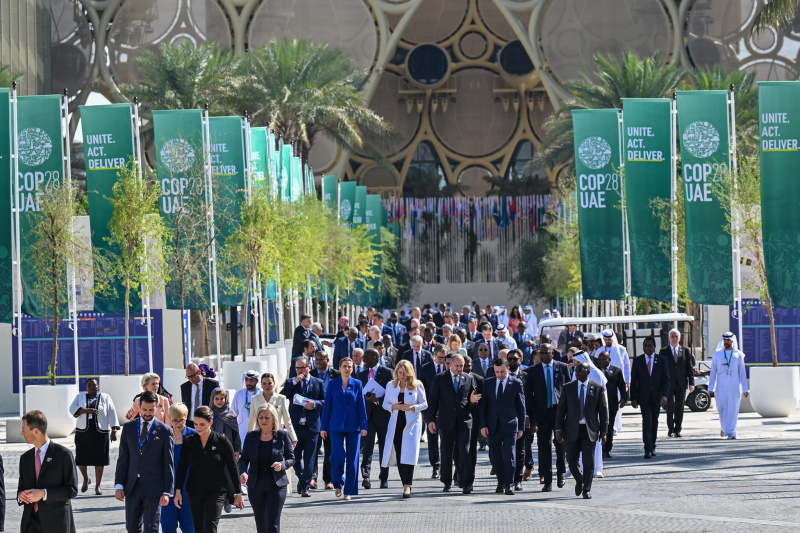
(73,278)
(673,199)
(15,238)
(625,239)
(212,256)
(737,263)
(137,150)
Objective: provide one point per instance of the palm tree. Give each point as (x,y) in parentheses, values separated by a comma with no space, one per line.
(301,90)
(776,13)
(632,77)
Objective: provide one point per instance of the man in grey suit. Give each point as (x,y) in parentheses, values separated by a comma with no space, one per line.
(582,419)
(681,377)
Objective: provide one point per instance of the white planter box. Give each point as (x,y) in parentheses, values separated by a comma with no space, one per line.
(282,363)
(775,391)
(272,363)
(54,402)
(122,389)
(172,380)
(232,372)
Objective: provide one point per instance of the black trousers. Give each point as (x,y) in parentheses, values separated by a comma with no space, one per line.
(675,402)
(267,499)
(455,450)
(406,471)
(528,449)
(584,445)
(613,407)
(206,509)
(502,445)
(545,439)
(650,412)
(326,460)
(368,450)
(433,448)
(142,514)
(34,525)
(520,453)
(474,436)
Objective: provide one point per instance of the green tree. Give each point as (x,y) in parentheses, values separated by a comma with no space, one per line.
(632,77)
(138,236)
(775,13)
(301,91)
(7,77)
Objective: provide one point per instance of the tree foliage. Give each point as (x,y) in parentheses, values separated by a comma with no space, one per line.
(7,78)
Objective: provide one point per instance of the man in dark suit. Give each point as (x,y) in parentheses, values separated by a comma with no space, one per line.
(617,394)
(558,355)
(649,389)
(681,377)
(544,388)
(196,392)
(377,418)
(502,421)
(344,346)
(309,350)
(494,348)
(344,327)
(449,415)
(582,419)
(48,480)
(305,419)
(395,330)
(476,421)
(418,358)
(322,370)
(301,333)
(387,354)
(491,317)
(514,358)
(567,336)
(482,362)
(145,475)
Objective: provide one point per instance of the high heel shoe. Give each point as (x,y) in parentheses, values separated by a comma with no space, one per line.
(338,493)
(406,492)
(347,498)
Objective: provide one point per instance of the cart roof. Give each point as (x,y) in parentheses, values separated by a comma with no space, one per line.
(586,321)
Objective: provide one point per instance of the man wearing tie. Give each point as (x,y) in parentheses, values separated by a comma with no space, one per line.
(525,343)
(358,361)
(305,419)
(681,377)
(309,351)
(377,418)
(449,415)
(301,333)
(523,445)
(543,390)
(344,346)
(322,370)
(145,475)
(502,421)
(196,391)
(617,394)
(649,389)
(582,419)
(472,330)
(494,350)
(48,480)
(419,357)
(395,330)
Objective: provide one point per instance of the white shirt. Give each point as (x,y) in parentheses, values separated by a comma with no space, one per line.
(42,452)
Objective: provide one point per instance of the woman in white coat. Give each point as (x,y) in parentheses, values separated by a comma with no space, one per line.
(97,424)
(405,399)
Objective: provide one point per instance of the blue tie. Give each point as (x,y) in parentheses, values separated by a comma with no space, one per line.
(455,383)
(549,386)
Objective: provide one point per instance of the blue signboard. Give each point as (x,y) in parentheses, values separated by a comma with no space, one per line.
(101,348)
(755,330)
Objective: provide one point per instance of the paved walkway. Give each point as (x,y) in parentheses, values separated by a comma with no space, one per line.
(697,483)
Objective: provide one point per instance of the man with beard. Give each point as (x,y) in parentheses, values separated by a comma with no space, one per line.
(241,401)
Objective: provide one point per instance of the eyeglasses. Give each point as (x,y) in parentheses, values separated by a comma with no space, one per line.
(513,358)
(300,367)
(193,375)
(180,421)
(483,349)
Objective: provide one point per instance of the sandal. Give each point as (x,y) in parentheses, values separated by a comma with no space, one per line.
(338,493)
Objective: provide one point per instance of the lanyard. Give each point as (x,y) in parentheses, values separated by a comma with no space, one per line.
(247,401)
(139,432)
(727,357)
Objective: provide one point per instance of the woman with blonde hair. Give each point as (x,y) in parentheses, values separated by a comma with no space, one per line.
(151,382)
(405,399)
(454,346)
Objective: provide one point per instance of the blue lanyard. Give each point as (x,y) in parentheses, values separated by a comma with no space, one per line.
(139,432)
(727,357)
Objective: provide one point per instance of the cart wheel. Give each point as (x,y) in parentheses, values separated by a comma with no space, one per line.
(699,400)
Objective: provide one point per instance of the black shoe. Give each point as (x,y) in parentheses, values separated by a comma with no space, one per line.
(491,472)
(446,488)
(467,489)
(366,484)
(647,455)
(509,491)
(518,486)
(653,453)
(678,434)
(547,488)
(578,488)
(587,495)
(499,489)
(305,494)
(670,434)
(435,474)
(607,455)
(482,448)
(384,484)
(560,481)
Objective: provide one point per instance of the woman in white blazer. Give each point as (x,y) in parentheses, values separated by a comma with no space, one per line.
(97,424)
(405,399)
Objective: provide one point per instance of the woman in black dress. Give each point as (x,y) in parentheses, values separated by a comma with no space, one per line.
(207,458)
(97,423)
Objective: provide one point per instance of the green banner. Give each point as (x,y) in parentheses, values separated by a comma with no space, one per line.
(180,151)
(359,205)
(41,166)
(259,157)
(274,164)
(329,192)
(297,179)
(284,174)
(227,176)
(108,146)
(647,153)
(373,215)
(705,159)
(779,124)
(6,245)
(597,163)
(347,197)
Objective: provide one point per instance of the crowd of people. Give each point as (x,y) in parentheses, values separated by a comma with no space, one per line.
(457,382)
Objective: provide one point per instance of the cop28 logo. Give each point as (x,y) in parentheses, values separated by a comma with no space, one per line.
(35,146)
(701,139)
(345,208)
(177,155)
(594,152)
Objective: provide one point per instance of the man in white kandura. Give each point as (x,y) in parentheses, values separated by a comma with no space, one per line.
(619,359)
(241,401)
(727,383)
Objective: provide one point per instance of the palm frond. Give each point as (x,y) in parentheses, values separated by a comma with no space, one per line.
(778,14)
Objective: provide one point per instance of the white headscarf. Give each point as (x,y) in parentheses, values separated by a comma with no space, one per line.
(502,316)
(556,314)
(531,321)
(249,374)
(727,335)
(595,374)
(618,353)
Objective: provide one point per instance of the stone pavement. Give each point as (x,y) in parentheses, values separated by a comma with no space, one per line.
(697,483)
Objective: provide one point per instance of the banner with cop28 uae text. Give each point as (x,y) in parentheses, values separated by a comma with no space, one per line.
(6,180)
(228,179)
(259,157)
(329,196)
(41,167)
(599,187)
(647,153)
(180,159)
(373,218)
(779,124)
(705,159)
(108,147)
(347,197)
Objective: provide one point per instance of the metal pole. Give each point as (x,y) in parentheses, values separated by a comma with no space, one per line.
(673,201)
(625,237)
(73,280)
(737,251)
(212,256)
(15,241)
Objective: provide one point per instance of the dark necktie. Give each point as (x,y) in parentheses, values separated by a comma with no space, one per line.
(500,390)
(144,431)
(581,400)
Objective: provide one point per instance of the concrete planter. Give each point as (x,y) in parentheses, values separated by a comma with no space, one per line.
(172,380)
(775,391)
(122,389)
(54,402)
(282,363)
